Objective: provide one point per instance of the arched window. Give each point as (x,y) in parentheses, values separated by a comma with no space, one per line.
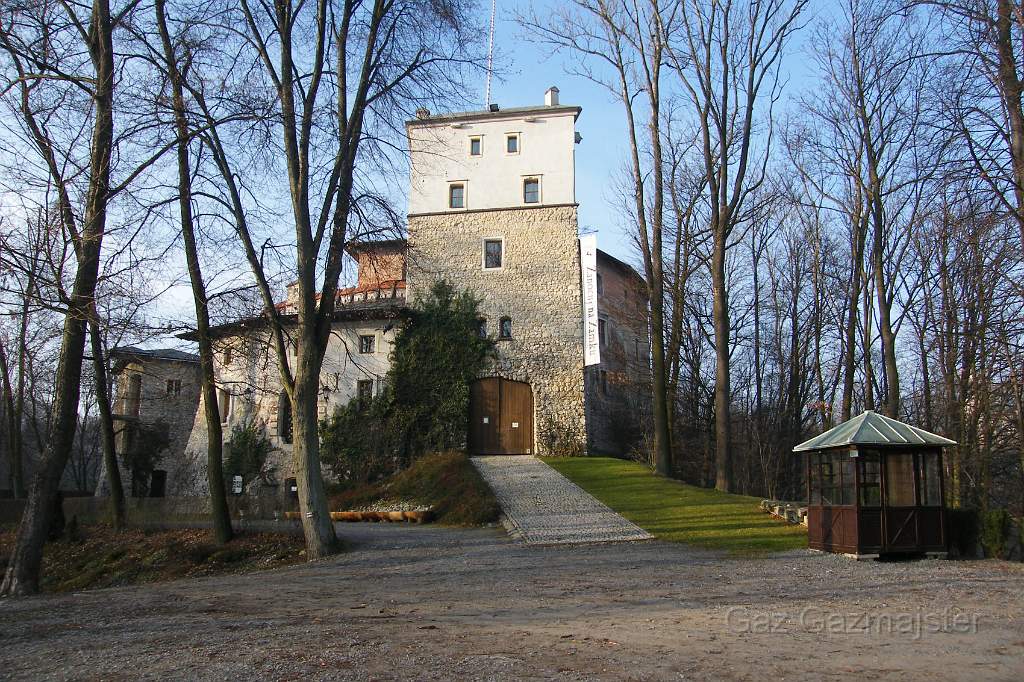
(284,417)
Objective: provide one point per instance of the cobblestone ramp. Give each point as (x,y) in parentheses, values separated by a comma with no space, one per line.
(542,507)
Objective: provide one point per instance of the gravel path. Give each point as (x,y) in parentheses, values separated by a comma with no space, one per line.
(545,508)
(417,602)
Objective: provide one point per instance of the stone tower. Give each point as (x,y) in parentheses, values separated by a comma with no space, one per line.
(492,209)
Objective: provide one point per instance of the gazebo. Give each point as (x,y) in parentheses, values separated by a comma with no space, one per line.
(875,486)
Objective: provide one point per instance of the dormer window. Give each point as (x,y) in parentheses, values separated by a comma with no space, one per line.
(531,191)
(457,195)
(476,146)
(512,143)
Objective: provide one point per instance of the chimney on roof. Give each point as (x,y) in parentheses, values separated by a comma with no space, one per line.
(422,113)
(551,97)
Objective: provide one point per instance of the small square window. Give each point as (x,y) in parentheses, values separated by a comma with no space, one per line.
(512,143)
(475,146)
(493,255)
(173,387)
(367,344)
(456,196)
(531,191)
(505,330)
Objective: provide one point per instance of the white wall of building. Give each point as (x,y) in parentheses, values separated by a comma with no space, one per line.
(441,155)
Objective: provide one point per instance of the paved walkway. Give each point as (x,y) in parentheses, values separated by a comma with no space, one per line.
(542,507)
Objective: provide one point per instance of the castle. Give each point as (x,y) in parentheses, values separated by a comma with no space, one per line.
(492,209)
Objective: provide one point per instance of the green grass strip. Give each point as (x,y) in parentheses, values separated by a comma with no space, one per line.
(677,512)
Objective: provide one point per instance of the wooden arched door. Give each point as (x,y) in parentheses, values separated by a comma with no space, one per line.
(500,417)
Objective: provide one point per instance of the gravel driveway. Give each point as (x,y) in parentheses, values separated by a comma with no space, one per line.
(435,603)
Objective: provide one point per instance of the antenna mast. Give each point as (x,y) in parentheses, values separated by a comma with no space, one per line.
(490,56)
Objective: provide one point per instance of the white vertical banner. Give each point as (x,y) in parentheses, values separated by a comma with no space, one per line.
(588,271)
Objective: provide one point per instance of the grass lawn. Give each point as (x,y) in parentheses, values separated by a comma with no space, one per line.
(677,512)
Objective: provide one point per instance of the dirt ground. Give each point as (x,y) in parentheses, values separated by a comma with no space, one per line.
(413,602)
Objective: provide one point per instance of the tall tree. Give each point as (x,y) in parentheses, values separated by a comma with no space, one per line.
(177,60)
(342,73)
(27,43)
(727,57)
(626,40)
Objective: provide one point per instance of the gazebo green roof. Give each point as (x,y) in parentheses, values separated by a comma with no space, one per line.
(872,428)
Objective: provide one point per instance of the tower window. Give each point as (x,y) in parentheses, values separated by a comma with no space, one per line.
(531,191)
(224,406)
(505,330)
(512,143)
(364,392)
(493,254)
(475,146)
(284,417)
(457,196)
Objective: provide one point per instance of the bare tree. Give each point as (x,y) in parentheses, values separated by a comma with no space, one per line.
(727,55)
(56,54)
(341,74)
(623,48)
(176,60)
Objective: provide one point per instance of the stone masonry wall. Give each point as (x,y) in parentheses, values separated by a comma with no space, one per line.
(157,403)
(538,287)
(618,389)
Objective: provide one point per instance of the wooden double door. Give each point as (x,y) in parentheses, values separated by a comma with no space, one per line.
(500,417)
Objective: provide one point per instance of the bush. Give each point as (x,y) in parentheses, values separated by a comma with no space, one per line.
(248,452)
(357,444)
(962,528)
(995,532)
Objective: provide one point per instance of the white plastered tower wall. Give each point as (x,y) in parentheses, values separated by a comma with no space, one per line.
(538,284)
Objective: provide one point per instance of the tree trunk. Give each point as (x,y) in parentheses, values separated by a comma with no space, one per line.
(317,526)
(107,438)
(853,316)
(214,434)
(1011,95)
(12,431)
(720,313)
(22,576)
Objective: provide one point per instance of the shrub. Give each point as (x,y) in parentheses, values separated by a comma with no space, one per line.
(962,527)
(248,452)
(995,531)
(357,443)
